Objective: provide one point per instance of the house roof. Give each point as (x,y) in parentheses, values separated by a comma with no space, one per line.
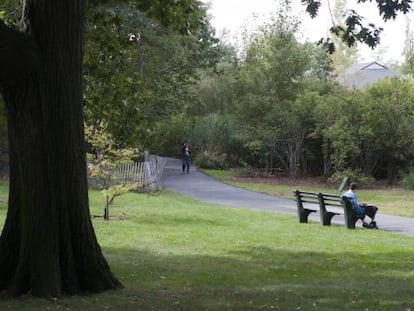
(362,74)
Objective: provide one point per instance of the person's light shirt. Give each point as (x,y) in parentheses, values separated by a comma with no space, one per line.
(350,194)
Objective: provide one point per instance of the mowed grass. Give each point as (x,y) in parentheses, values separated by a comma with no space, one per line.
(173,253)
(391,200)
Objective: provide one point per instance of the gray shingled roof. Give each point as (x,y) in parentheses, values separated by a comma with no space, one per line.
(362,74)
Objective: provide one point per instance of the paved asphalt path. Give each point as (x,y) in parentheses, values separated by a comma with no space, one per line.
(201,187)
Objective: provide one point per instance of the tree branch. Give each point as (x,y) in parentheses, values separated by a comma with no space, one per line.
(19,56)
(355,30)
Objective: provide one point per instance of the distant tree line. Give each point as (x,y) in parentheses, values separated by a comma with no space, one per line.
(277,106)
(155,76)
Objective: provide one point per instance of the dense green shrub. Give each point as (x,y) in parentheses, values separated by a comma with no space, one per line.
(215,142)
(210,160)
(408,180)
(353,175)
(167,136)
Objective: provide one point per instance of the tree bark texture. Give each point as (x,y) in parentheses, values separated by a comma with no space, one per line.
(48,246)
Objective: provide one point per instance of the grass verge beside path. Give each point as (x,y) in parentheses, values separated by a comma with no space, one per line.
(173,253)
(391,200)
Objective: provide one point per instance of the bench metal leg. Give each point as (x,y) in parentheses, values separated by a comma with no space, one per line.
(350,219)
(303,215)
(327,218)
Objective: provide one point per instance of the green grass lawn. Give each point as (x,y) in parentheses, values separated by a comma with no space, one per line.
(173,253)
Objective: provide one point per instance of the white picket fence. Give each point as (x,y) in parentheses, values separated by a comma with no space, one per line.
(148,174)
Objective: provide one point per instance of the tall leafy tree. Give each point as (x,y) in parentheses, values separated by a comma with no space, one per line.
(408,66)
(48,246)
(140,63)
(274,72)
(389,117)
(216,85)
(370,130)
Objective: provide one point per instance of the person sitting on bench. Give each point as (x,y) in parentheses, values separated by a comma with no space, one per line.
(362,210)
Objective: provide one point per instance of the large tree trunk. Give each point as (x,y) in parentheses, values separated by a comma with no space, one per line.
(48,246)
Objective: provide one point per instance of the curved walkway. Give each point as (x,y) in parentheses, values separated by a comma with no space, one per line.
(201,187)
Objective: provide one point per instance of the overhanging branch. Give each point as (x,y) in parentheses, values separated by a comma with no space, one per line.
(19,56)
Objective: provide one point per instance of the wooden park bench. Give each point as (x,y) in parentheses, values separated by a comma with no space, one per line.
(304,199)
(308,202)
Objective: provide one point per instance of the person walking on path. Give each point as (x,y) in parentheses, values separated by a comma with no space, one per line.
(186,151)
(361,210)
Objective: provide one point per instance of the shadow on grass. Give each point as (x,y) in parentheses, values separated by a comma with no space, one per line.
(251,278)
(268,279)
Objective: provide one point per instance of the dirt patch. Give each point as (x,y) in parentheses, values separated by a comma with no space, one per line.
(111,218)
(282,181)
(317,182)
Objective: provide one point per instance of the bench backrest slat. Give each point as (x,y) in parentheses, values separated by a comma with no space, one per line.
(331,199)
(306,197)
